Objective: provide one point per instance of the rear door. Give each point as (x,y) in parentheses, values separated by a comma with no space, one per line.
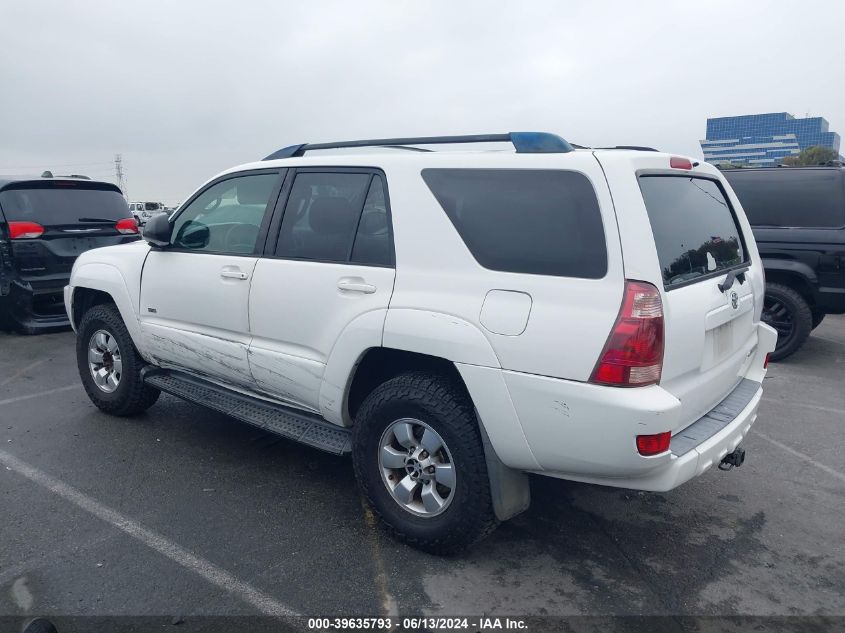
(711,329)
(684,231)
(331,264)
(67,217)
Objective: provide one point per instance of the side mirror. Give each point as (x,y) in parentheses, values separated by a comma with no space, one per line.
(157,231)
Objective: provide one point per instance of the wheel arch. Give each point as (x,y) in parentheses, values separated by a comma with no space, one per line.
(796,275)
(96,283)
(501,437)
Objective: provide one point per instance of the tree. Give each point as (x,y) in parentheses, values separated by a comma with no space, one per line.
(815,155)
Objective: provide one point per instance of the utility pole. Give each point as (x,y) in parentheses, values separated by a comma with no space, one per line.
(118,173)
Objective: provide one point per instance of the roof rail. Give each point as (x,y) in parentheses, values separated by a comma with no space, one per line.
(523,142)
(637,148)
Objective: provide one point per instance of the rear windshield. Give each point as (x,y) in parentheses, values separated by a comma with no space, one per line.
(693,225)
(62,203)
(151,206)
(804,198)
(539,221)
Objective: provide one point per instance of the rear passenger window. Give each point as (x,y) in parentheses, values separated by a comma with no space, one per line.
(791,197)
(372,240)
(537,221)
(321,216)
(694,228)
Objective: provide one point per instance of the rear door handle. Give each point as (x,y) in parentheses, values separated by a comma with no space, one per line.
(356,284)
(234,274)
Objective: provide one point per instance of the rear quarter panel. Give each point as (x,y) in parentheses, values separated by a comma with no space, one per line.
(568,320)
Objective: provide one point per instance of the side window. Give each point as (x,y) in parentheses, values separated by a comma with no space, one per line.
(536,221)
(372,240)
(226,217)
(322,214)
(791,197)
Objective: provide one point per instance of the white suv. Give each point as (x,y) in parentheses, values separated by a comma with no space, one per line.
(455,320)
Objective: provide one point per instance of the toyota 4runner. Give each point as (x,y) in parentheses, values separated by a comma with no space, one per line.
(454,320)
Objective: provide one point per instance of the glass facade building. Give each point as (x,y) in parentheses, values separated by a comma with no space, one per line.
(763,140)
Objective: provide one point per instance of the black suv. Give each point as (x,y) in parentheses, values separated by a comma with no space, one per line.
(798,217)
(45,223)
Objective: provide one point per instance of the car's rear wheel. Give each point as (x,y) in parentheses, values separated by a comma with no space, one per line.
(420,462)
(788,313)
(109,365)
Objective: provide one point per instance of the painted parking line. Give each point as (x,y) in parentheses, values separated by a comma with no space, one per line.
(802,456)
(40,394)
(803,405)
(263,602)
(21,372)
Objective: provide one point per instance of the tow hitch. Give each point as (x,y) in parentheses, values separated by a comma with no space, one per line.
(732,460)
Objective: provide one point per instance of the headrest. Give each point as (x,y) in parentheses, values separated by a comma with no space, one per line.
(331,216)
(252,191)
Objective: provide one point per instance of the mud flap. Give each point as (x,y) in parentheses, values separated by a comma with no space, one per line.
(509,488)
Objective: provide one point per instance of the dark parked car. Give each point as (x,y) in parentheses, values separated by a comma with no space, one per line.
(798,217)
(45,223)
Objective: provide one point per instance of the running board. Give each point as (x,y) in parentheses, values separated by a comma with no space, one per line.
(306,428)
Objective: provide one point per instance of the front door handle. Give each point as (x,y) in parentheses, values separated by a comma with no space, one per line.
(234,274)
(355,284)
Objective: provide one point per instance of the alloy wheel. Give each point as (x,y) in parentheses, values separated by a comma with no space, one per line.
(416,467)
(104,361)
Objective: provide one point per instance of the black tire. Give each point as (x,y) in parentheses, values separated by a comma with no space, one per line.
(446,407)
(131,396)
(818,317)
(40,625)
(788,312)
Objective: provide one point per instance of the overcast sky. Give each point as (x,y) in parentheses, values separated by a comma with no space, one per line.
(186,88)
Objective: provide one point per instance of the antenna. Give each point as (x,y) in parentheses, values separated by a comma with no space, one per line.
(118,174)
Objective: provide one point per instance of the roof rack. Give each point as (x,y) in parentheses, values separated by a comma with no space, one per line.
(523,142)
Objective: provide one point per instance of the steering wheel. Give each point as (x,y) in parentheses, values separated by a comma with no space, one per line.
(241,238)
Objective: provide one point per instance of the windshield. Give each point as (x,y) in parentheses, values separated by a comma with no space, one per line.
(62,203)
(694,228)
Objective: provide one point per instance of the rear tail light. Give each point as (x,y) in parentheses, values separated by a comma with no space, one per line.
(633,354)
(766,361)
(653,444)
(676,162)
(25,230)
(126,226)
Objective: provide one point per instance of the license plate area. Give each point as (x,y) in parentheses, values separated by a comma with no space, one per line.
(721,341)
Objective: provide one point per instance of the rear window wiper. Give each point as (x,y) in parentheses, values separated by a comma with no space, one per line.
(733,273)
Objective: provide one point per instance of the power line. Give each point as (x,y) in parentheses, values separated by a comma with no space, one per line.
(51,165)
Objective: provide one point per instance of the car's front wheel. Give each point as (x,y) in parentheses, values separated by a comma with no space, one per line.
(420,462)
(109,365)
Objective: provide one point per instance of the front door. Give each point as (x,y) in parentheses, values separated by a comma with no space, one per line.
(332,263)
(195,293)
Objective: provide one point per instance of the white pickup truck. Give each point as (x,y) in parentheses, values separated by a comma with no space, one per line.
(454,320)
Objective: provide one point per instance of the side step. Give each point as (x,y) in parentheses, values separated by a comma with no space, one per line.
(306,428)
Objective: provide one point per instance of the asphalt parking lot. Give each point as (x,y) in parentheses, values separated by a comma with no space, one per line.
(182,511)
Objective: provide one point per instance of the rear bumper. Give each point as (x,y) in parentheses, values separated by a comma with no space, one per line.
(586,432)
(34,308)
(678,469)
